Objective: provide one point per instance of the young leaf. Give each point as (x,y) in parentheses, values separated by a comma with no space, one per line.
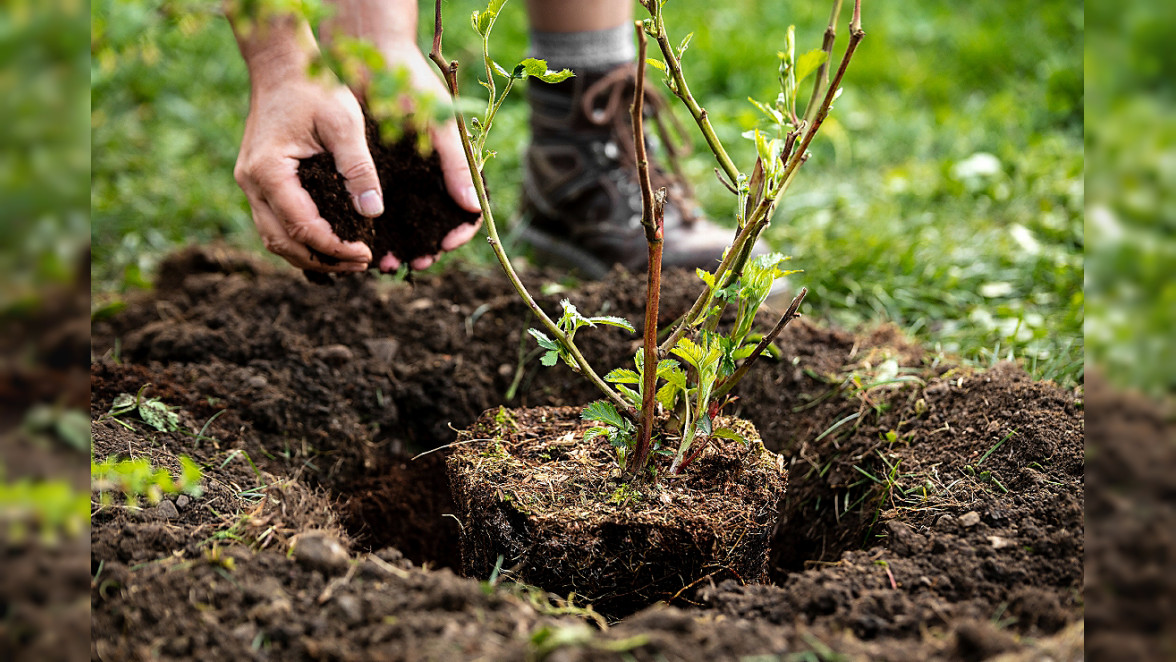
(632,396)
(704,424)
(538,69)
(594,432)
(808,63)
(549,358)
(623,376)
(543,340)
(707,277)
(604,412)
(728,433)
(610,320)
(667,395)
(684,44)
(656,63)
(500,70)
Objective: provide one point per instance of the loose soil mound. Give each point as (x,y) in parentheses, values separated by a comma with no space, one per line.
(932,512)
(418,211)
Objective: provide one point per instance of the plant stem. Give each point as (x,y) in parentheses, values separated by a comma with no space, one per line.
(757,221)
(682,91)
(653,220)
(855,37)
(449,73)
(791,314)
(822,77)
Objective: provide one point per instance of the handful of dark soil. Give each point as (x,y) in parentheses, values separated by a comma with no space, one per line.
(418,210)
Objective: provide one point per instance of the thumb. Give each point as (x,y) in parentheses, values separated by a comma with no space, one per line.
(454,167)
(353,160)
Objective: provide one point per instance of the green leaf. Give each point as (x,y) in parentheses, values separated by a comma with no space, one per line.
(668,394)
(593,432)
(549,358)
(808,63)
(501,70)
(611,320)
(123,403)
(773,114)
(704,424)
(543,340)
(632,396)
(684,44)
(538,69)
(159,416)
(728,433)
(665,365)
(604,412)
(656,63)
(707,277)
(623,376)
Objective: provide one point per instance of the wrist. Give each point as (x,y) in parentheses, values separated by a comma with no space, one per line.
(275,49)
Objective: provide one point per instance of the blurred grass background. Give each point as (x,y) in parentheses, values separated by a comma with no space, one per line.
(947,195)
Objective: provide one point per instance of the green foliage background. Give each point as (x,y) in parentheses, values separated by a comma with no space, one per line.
(947,196)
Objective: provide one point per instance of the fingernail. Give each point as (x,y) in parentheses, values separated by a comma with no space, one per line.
(469,198)
(356,266)
(371,204)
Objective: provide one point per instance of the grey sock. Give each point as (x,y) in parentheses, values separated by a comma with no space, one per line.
(585,52)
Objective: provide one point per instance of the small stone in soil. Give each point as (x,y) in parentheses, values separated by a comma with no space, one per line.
(970,519)
(319,550)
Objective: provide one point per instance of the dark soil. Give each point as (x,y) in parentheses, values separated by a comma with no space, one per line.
(418,211)
(44,577)
(534,503)
(935,518)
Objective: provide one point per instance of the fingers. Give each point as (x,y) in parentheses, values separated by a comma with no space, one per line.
(279,242)
(281,191)
(454,167)
(460,235)
(345,139)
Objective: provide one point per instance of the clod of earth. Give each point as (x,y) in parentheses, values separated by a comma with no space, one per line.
(418,210)
(535,506)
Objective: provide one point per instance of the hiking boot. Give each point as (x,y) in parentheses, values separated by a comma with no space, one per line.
(581,198)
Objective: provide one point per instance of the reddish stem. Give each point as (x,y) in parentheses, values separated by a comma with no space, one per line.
(653,220)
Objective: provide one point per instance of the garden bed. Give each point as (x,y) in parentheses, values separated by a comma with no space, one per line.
(932,511)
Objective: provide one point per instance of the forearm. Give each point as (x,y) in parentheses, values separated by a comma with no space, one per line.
(274,48)
(387,25)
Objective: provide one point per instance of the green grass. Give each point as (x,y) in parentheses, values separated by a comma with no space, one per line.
(899,216)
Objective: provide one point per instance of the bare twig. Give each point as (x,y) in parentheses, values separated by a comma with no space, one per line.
(449,73)
(682,91)
(653,220)
(791,314)
(822,77)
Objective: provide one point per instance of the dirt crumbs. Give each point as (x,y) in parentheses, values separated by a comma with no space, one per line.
(534,503)
(932,512)
(418,211)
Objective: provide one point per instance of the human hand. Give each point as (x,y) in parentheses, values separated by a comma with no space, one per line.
(294,116)
(447,143)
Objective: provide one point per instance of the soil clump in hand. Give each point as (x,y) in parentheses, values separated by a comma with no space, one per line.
(418,210)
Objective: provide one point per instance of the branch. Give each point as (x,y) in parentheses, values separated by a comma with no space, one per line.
(653,220)
(682,91)
(449,73)
(822,78)
(855,37)
(739,374)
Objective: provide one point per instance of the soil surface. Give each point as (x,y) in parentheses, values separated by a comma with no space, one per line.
(418,211)
(534,502)
(933,512)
